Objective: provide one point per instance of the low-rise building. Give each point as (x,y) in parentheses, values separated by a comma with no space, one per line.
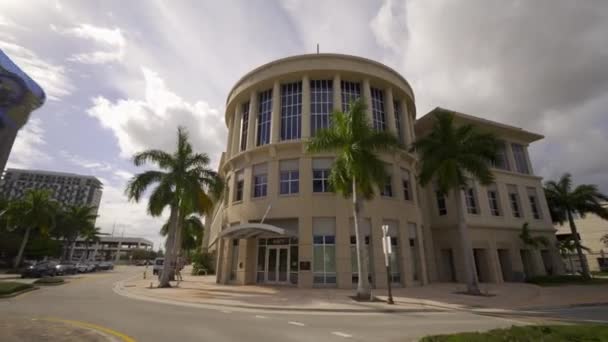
(109,247)
(281,223)
(590,229)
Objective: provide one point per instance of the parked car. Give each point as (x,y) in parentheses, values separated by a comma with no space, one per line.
(41,269)
(105,265)
(143,262)
(66,268)
(92,266)
(82,267)
(158,265)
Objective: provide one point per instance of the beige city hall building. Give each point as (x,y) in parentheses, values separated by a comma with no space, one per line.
(280,222)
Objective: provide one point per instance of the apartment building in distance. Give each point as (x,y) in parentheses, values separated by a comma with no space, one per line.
(66,188)
(281,223)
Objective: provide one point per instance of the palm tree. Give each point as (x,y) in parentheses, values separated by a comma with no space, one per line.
(185,184)
(454,156)
(75,220)
(35,211)
(567,247)
(533,241)
(357,168)
(192,228)
(564,202)
(90,234)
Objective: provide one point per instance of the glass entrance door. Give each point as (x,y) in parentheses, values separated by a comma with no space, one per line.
(277,265)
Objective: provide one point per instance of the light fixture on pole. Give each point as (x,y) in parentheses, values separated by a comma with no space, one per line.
(386,246)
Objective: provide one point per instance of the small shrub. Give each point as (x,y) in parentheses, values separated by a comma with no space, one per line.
(51,281)
(203,262)
(8,287)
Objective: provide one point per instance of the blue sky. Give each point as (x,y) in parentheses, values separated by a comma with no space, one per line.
(121,75)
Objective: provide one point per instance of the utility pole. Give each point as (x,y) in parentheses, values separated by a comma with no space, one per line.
(386,244)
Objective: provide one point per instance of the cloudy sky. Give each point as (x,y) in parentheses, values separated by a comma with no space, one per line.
(121,75)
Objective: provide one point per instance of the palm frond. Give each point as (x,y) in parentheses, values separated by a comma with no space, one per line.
(139,183)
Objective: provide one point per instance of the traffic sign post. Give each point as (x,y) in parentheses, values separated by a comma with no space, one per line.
(386,246)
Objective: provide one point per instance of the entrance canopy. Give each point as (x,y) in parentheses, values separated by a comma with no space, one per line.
(249,230)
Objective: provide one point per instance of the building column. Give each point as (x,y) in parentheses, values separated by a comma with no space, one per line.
(391,123)
(367,97)
(305,107)
(510,157)
(275,116)
(537,262)
(379,275)
(253,120)
(273,176)
(407,123)
(337,92)
(424,279)
(241,270)
(494,262)
(305,277)
(230,137)
(236,128)
(528,160)
(219,262)
(344,270)
(407,273)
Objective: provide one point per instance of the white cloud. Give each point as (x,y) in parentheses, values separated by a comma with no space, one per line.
(27,150)
(539,65)
(52,78)
(124,175)
(94,165)
(151,122)
(389,25)
(112,41)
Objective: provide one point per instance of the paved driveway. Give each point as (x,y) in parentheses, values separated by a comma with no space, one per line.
(91,300)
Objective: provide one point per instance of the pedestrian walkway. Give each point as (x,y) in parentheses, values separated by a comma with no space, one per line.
(433,297)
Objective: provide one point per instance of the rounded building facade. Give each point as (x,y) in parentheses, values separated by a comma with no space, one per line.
(280,222)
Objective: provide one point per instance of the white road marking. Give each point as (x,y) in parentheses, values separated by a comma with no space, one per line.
(296,323)
(341,334)
(260,316)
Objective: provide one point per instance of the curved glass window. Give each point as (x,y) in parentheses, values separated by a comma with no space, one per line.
(378,117)
(321,104)
(264,115)
(291,110)
(351,91)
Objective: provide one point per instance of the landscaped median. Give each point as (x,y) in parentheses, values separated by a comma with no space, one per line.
(50,281)
(12,288)
(533,333)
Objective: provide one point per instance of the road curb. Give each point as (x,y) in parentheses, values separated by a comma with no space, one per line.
(120,289)
(15,294)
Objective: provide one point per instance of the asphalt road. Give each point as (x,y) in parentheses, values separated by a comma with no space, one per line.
(91,301)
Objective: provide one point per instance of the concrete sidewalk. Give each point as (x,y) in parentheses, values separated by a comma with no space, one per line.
(434,297)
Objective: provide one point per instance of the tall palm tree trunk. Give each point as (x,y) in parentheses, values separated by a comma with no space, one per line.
(168,266)
(364,291)
(467,250)
(26,237)
(577,244)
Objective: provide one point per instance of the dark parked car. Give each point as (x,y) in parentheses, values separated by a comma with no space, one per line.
(105,265)
(66,268)
(41,269)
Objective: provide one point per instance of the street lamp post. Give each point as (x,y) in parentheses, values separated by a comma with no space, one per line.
(386,244)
